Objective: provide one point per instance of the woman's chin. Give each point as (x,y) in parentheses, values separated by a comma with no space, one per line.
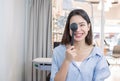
(78,39)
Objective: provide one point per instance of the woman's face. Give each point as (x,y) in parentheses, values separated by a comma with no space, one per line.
(82,30)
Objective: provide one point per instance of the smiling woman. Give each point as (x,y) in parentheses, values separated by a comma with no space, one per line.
(63,9)
(73,60)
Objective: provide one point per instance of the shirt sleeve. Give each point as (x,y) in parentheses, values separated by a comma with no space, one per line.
(54,67)
(102,70)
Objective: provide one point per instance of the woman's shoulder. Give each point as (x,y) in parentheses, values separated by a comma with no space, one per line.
(97,48)
(60,47)
(98,51)
(59,51)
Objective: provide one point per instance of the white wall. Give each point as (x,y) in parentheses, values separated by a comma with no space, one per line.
(12,15)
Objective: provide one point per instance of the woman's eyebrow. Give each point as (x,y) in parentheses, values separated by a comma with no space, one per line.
(81,22)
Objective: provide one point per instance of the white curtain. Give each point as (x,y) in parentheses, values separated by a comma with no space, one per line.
(38,36)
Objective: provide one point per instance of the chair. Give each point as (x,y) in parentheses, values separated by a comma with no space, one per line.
(116,53)
(56,44)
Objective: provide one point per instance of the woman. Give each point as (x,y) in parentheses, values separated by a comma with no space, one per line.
(82,61)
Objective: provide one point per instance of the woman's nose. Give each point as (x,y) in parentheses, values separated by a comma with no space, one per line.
(78,29)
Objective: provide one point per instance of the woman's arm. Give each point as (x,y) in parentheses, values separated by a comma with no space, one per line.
(59,73)
(62,73)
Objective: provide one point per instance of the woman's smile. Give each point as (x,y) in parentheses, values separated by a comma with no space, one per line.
(78,35)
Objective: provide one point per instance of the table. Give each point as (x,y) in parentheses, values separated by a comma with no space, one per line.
(42,63)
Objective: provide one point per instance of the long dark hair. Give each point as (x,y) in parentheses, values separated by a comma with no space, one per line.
(66,39)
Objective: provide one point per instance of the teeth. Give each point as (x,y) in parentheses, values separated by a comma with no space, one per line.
(78,34)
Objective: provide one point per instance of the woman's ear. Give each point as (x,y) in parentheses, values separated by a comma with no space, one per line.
(89,26)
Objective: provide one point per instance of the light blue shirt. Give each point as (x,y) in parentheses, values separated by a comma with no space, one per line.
(93,68)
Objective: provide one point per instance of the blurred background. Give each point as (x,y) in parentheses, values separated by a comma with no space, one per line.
(30,29)
(105,19)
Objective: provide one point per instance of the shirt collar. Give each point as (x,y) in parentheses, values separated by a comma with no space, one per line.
(95,51)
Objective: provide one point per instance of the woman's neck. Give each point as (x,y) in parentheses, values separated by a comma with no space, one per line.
(81,45)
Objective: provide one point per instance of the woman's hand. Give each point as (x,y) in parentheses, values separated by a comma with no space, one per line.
(70,53)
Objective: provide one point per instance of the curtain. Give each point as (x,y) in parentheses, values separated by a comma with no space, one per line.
(38,36)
